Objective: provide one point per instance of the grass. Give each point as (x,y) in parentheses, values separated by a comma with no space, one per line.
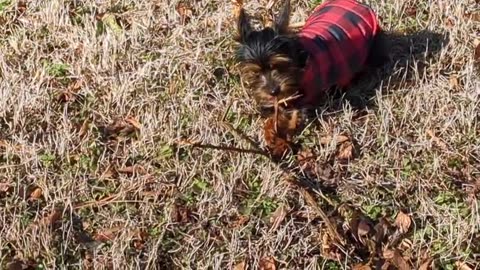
(94,95)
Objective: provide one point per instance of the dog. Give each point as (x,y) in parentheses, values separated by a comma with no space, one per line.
(338,41)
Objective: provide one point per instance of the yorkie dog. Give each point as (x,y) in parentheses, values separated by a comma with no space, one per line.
(338,41)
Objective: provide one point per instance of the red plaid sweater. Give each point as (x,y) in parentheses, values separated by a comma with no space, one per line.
(337,36)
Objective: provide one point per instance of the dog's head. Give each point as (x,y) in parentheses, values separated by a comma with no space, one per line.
(270,60)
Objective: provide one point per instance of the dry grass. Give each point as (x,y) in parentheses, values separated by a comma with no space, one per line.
(83,102)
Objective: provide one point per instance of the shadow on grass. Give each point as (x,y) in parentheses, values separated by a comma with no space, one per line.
(410,55)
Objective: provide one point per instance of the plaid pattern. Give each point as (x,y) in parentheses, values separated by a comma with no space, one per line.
(338,36)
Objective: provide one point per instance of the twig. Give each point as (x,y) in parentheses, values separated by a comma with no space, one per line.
(236,131)
(285,100)
(311,201)
(242,135)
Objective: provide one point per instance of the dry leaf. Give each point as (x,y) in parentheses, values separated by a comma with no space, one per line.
(267,263)
(36,194)
(83,129)
(477,53)
(381,230)
(21,6)
(439,142)
(278,216)
(328,248)
(15,265)
(132,169)
(108,234)
(462,266)
(134,122)
(361,267)
(338,139)
(426,264)
(277,145)
(411,11)
(363,228)
(185,12)
(53,217)
(395,257)
(181,214)
(453,81)
(346,151)
(388,254)
(239,222)
(5,187)
(240,266)
(403,222)
(307,160)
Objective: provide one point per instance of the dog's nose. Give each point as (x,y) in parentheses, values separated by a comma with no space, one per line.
(275,91)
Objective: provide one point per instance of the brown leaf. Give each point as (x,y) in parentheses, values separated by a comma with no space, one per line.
(139,238)
(426,264)
(21,6)
(328,248)
(453,82)
(439,142)
(395,257)
(108,234)
(403,222)
(362,267)
(181,214)
(15,265)
(475,16)
(346,151)
(477,53)
(278,216)
(462,266)
(134,122)
(120,127)
(185,12)
(267,263)
(363,228)
(277,145)
(338,139)
(307,160)
(239,222)
(240,266)
(83,129)
(53,217)
(5,187)
(132,169)
(36,194)
(381,230)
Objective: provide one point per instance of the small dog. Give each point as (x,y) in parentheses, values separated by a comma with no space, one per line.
(340,39)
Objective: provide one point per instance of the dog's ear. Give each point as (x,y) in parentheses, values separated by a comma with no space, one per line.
(283,19)
(243,26)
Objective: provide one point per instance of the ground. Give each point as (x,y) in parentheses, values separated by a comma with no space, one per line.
(101,103)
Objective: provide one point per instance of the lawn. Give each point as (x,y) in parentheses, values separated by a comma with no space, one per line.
(107,109)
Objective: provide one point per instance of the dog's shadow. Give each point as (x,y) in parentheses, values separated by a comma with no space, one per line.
(410,55)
